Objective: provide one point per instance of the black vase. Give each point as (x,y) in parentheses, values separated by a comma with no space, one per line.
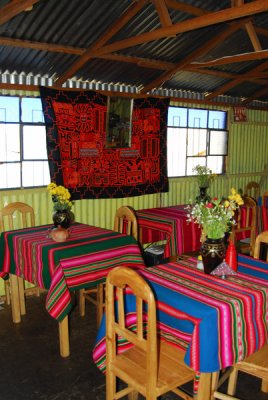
(62,219)
(203,196)
(213,253)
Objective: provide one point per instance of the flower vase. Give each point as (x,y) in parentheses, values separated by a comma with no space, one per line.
(213,253)
(62,218)
(203,196)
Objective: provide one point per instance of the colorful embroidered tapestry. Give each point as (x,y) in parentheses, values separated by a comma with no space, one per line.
(80,159)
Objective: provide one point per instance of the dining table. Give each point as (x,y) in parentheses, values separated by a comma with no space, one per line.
(170,224)
(82,261)
(217,321)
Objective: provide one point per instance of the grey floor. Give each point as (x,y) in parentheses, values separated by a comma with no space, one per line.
(31,368)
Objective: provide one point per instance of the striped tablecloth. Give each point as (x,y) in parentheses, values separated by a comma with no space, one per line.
(82,261)
(228,319)
(169,223)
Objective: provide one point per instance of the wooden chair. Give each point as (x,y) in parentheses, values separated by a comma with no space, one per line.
(149,367)
(261,238)
(245,223)
(265,199)
(124,221)
(16,216)
(256,365)
(253,190)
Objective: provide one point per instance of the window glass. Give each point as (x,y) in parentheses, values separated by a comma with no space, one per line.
(9,109)
(197,142)
(35,173)
(176,151)
(177,116)
(217,119)
(10,175)
(34,142)
(31,110)
(218,143)
(197,118)
(10,142)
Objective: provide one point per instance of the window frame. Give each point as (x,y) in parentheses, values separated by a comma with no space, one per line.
(185,128)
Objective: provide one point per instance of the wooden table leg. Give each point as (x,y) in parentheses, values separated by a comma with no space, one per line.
(64,337)
(264,386)
(21,295)
(204,387)
(15,300)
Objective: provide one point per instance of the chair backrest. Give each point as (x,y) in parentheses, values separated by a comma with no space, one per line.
(125,221)
(265,199)
(246,223)
(253,190)
(118,280)
(16,216)
(261,238)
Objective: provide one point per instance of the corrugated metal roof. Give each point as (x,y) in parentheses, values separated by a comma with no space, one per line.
(80,23)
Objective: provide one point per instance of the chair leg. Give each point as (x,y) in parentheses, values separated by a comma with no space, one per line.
(100,302)
(82,302)
(232,382)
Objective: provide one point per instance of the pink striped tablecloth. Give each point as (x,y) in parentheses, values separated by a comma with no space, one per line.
(226,319)
(82,261)
(169,223)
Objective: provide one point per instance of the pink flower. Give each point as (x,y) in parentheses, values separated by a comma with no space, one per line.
(209,205)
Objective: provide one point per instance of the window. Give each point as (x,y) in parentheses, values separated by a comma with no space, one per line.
(23,155)
(196,136)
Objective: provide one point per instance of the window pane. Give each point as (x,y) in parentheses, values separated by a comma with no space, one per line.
(177,116)
(218,143)
(216,164)
(217,119)
(176,151)
(34,143)
(10,142)
(197,142)
(197,118)
(35,173)
(192,162)
(31,109)
(10,175)
(9,109)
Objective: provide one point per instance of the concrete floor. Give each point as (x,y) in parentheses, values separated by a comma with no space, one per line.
(31,368)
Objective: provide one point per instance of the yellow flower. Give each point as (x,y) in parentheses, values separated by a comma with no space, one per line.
(60,197)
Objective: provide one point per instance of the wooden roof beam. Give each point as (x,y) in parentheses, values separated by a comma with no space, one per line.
(186,61)
(132,10)
(230,85)
(14,8)
(162,12)
(253,36)
(228,14)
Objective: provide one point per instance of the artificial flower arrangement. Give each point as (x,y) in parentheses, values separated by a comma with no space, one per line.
(204,175)
(215,216)
(60,197)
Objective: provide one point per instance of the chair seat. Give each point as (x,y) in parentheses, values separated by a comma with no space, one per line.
(171,365)
(256,364)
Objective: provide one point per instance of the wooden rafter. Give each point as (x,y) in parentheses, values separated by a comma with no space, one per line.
(229,14)
(253,36)
(14,8)
(162,11)
(230,85)
(186,61)
(123,20)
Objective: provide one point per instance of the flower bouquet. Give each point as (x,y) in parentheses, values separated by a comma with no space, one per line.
(62,205)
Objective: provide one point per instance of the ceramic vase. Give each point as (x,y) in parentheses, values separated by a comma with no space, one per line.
(213,253)
(62,219)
